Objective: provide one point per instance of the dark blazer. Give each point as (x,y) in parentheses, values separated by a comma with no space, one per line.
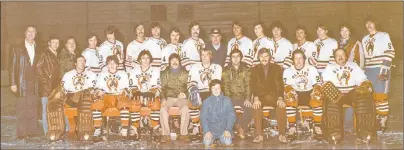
(272,85)
(21,71)
(48,72)
(219,56)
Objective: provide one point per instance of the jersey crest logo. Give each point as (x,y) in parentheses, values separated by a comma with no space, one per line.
(78,82)
(301,81)
(205,77)
(144,83)
(178,49)
(112,84)
(319,45)
(256,45)
(344,77)
(199,46)
(235,45)
(370,47)
(162,44)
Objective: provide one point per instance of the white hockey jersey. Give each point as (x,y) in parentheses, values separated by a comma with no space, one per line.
(167,51)
(200,76)
(378,48)
(344,77)
(73,82)
(112,84)
(282,52)
(106,49)
(132,52)
(190,53)
(263,42)
(310,50)
(155,47)
(325,49)
(245,45)
(93,60)
(144,81)
(303,79)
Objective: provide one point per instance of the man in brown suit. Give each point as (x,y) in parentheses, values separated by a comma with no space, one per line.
(267,88)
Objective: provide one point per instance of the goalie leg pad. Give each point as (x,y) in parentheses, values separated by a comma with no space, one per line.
(85,120)
(333,122)
(56,120)
(365,115)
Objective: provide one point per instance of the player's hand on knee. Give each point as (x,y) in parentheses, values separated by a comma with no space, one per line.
(247,103)
(257,103)
(281,103)
(14,88)
(182,96)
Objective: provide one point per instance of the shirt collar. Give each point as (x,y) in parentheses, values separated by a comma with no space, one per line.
(29,45)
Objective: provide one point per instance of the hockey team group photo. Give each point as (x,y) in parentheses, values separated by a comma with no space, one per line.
(219,75)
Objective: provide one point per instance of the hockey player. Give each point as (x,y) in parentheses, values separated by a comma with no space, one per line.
(302,88)
(144,82)
(262,41)
(236,85)
(173,47)
(198,86)
(325,48)
(379,54)
(134,48)
(192,47)
(242,43)
(92,55)
(155,44)
(174,93)
(308,47)
(352,46)
(112,92)
(78,86)
(282,52)
(111,46)
(346,83)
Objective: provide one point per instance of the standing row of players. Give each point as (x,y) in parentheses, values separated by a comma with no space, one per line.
(146,57)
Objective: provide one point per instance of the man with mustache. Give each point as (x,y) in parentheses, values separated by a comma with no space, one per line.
(283,48)
(67,56)
(111,46)
(262,41)
(155,44)
(92,55)
(379,54)
(308,47)
(173,48)
(135,47)
(346,83)
(267,89)
(325,48)
(192,47)
(240,42)
(174,93)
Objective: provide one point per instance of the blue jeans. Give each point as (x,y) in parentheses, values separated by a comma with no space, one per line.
(44,119)
(348,120)
(226,141)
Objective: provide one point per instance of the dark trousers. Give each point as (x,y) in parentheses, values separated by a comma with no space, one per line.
(247,114)
(280,114)
(27,115)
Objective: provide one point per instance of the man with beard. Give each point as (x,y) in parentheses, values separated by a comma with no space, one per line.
(25,85)
(242,43)
(262,41)
(267,89)
(47,71)
(283,48)
(346,83)
(174,93)
(155,44)
(236,85)
(379,54)
(92,55)
(219,50)
(308,47)
(135,47)
(192,47)
(111,46)
(144,82)
(325,48)
(200,76)
(173,48)
(67,56)
(302,88)
(77,86)
(112,92)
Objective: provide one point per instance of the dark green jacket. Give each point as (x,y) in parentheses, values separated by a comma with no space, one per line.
(173,84)
(236,83)
(67,61)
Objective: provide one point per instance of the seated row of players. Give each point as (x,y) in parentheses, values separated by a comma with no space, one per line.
(114,88)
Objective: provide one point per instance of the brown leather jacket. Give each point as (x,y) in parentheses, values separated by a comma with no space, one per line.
(48,70)
(272,85)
